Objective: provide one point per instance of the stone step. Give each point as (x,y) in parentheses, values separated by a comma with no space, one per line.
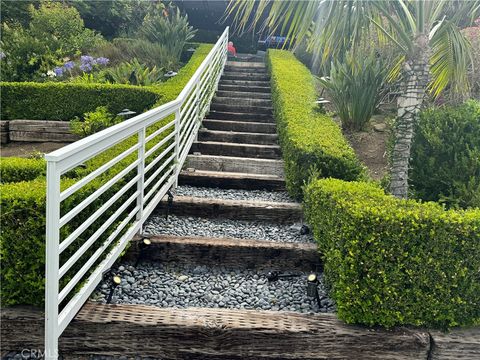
(231,180)
(246,69)
(270,167)
(245,88)
(236,116)
(237,137)
(248,210)
(242,101)
(249,83)
(243,94)
(229,252)
(246,109)
(236,149)
(240,126)
(231,75)
(241,64)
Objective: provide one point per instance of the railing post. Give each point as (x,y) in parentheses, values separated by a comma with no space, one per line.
(52,261)
(141,172)
(177,146)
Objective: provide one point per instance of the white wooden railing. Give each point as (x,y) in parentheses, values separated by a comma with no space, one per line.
(160,156)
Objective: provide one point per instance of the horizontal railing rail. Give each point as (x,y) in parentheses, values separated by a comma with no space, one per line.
(162,139)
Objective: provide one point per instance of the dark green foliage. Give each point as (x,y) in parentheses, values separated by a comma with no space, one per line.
(22,235)
(20,169)
(308,138)
(391,261)
(446,155)
(355,88)
(94,121)
(64,101)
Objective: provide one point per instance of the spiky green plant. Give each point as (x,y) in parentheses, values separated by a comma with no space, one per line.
(134,73)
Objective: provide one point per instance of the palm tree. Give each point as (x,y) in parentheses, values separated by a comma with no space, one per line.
(433,54)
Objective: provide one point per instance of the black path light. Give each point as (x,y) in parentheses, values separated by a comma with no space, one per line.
(312,288)
(115,281)
(142,248)
(169,204)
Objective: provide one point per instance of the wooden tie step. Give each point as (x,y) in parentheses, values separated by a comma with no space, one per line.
(236,149)
(252,76)
(240,126)
(247,109)
(237,137)
(242,101)
(235,165)
(231,180)
(232,94)
(229,252)
(238,116)
(251,210)
(249,83)
(245,70)
(245,88)
(202,333)
(243,64)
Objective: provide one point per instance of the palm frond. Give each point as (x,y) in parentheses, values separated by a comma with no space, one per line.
(451,56)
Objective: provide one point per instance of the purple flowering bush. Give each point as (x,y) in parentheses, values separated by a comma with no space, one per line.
(87,64)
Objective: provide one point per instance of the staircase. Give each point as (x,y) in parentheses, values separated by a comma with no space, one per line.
(201,287)
(237,147)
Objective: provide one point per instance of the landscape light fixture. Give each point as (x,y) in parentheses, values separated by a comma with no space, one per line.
(142,246)
(275,275)
(170,74)
(304,230)
(116,280)
(312,288)
(169,204)
(126,113)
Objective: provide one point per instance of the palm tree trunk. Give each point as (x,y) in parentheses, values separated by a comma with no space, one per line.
(416,75)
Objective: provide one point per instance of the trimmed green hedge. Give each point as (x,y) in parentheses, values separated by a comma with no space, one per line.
(391,261)
(64,101)
(308,138)
(22,233)
(20,169)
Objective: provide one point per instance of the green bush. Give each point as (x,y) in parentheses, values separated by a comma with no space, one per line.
(391,261)
(21,169)
(308,138)
(446,155)
(94,121)
(64,101)
(134,73)
(22,234)
(55,31)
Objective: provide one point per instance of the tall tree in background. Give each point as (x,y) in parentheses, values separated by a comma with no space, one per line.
(433,53)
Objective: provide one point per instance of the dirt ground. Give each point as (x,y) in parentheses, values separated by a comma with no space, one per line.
(371,146)
(27,149)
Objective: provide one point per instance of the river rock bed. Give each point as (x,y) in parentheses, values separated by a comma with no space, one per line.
(233,194)
(166,285)
(218,227)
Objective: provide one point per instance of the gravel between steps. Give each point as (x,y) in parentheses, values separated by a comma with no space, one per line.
(214,227)
(231,194)
(165,285)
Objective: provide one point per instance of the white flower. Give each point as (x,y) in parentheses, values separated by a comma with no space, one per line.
(51,73)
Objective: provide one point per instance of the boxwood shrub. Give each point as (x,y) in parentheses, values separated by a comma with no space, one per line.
(391,261)
(22,234)
(307,137)
(21,169)
(446,155)
(64,101)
